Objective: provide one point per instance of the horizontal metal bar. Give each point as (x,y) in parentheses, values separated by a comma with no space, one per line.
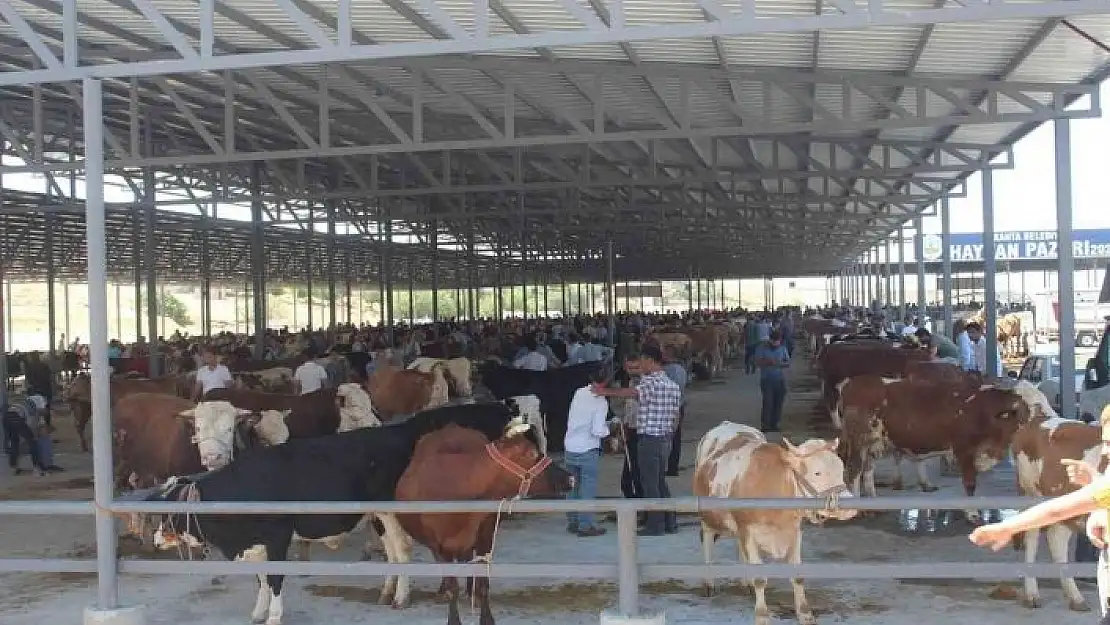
(873,15)
(679,504)
(809,570)
(51,508)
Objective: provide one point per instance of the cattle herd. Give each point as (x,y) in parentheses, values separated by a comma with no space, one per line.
(395,434)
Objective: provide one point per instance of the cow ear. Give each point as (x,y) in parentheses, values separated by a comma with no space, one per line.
(788,445)
(833,445)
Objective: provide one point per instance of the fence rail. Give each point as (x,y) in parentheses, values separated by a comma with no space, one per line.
(628,571)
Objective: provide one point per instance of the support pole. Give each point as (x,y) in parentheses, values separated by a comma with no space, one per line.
(901,272)
(919,257)
(1065,266)
(137,258)
(433,241)
(946,264)
(258,260)
(888,270)
(612,292)
(331,266)
(106,547)
(51,291)
(387,270)
(412,289)
(990,332)
(149,254)
(310,237)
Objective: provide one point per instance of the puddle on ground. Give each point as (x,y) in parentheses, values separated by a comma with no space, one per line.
(923,522)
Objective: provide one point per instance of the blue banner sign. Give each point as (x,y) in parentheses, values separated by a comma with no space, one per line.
(1019,245)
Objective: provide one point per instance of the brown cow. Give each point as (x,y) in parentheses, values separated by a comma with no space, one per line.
(841,361)
(925,419)
(502,469)
(705,343)
(397,391)
(309,415)
(157,436)
(1039,446)
(79,396)
(273,380)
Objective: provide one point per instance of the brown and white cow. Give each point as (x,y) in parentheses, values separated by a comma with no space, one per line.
(841,361)
(403,391)
(458,372)
(273,380)
(1039,447)
(735,461)
(922,420)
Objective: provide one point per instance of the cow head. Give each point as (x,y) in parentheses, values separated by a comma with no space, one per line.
(270,426)
(214,431)
(518,456)
(820,473)
(527,407)
(997,413)
(356,410)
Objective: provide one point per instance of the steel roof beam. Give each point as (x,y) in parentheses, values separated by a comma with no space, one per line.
(852,15)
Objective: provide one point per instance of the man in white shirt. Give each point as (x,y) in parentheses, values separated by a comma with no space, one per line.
(967,341)
(212,375)
(309,377)
(586,426)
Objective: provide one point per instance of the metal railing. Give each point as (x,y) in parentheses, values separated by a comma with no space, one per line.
(628,571)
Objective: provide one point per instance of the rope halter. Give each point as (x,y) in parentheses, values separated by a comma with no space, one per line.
(830,495)
(526,476)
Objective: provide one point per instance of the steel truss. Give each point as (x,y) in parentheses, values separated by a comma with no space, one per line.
(314,35)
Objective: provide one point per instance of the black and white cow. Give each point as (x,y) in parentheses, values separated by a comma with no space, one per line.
(360,465)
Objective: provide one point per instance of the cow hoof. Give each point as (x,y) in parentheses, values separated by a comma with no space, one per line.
(708,591)
(385,599)
(1079,606)
(807,618)
(400,605)
(929,488)
(258,620)
(1031,602)
(897,486)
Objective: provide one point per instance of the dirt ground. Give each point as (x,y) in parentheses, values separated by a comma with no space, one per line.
(912,536)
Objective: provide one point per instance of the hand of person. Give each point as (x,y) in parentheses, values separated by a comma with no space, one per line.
(1097,523)
(1079,473)
(996,536)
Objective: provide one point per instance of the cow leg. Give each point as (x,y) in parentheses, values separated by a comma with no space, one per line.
(801,604)
(452,588)
(969,474)
(759,584)
(869,478)
(261,608)
(923,476)
(398,549)
(276,608)
(1059,539)
(708,540)
(1032,598)
(482,547)
(897,484)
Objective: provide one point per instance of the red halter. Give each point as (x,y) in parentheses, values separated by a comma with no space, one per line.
(526,476)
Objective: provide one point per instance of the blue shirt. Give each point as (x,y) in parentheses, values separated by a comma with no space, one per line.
(677,374)
(777,355)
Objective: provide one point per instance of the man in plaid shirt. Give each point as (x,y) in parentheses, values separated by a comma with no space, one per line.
(659,400)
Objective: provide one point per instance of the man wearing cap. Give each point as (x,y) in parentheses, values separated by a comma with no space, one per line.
(23,420)
(659,400)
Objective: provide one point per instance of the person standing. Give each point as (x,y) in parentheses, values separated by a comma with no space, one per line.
(659,400)
(586,425)
(751,342)
(772,359)
(677,373)
(310,376)
(39,380)
(211,376)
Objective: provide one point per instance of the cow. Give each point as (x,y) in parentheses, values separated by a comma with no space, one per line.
(1039,447)
(840,361)
(157,436)
(705,343)
(313,414)
(79,396)
(735,461)
(361,465)
(503,468)
(925,419)
(397,391)
(555,388)
(458,372)
(273,380)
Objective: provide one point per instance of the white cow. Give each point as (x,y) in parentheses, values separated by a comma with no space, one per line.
(528,406)
(735,461)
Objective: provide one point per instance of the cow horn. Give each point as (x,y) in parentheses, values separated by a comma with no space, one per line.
(191,413)
(516,429)
(788,445)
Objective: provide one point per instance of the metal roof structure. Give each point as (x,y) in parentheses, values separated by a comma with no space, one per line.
(722,138)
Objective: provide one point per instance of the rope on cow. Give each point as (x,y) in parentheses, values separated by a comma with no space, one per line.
(831,497)
(504,507)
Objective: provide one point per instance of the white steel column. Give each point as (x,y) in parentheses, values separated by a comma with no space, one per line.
(1065,266)
(989,272)
(106,547)
(919,257)
(901,272)
(946,261)
(149,254)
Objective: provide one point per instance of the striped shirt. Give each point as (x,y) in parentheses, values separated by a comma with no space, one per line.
(659,400)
